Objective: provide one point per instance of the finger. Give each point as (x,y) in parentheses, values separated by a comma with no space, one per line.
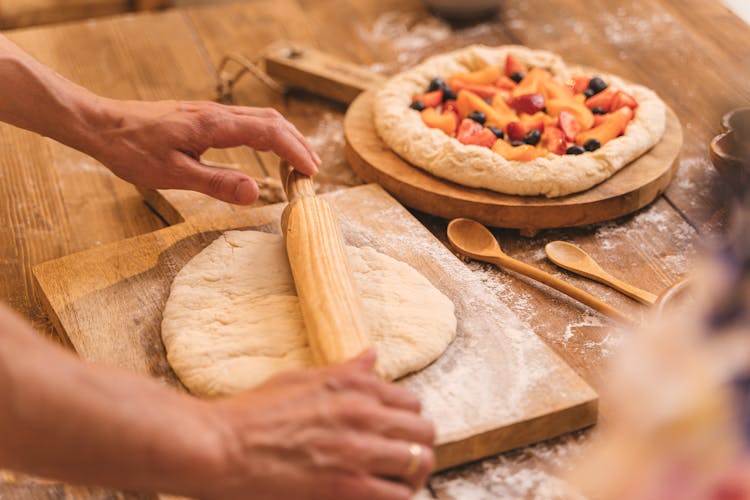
(401,460)
(394,423)
(399,424)
(295,131)
(275,124)
(387,393)
(220,183)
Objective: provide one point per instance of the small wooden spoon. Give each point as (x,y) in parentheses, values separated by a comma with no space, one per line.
(574,259)
(474,240)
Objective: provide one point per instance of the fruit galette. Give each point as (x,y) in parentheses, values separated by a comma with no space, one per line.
(516,120)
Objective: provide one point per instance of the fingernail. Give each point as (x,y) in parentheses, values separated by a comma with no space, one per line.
(245,192)
(317,158)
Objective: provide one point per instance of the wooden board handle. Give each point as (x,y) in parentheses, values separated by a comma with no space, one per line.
(319,73)
(331,306)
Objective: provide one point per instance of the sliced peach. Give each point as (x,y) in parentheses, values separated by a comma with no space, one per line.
(430,99)
(525,152)
(613,125)
(468,101)
(536,121)
(485,76)
(532,83)
(446,122)
(483,91)
(505,83)
(553,90)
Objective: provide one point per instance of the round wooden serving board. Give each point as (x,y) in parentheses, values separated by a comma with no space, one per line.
(633,187)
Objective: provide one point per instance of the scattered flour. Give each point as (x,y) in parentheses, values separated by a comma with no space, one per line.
(534,472)
(328,141)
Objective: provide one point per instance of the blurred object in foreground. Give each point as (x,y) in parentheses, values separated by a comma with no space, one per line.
(463,10)
(21,13)
(678,393)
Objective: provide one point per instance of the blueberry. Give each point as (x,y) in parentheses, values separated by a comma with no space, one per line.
(498,133)
(437,83)
(588,93)
(488,100)
(592,145)
(517,76)
(418,105)
(598,111)
(575,150)
(478,117)
(596,84)
(515,144)
(449,95)
(532,137)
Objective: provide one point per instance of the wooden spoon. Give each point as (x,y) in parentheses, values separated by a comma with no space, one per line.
(574,259)
(474,240)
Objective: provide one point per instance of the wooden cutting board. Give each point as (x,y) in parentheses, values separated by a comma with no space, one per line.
(630,189)
(497,387)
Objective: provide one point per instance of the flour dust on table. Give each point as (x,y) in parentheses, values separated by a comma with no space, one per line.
(233,320)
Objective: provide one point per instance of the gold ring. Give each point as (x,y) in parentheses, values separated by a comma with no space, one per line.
(415,452)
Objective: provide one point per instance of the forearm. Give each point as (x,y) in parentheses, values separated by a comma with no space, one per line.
(34,97)
(62,418)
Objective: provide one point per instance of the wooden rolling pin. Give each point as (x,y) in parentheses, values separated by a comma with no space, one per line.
(331,306)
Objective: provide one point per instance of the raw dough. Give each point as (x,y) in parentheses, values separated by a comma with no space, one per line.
(232,319)
(432,150)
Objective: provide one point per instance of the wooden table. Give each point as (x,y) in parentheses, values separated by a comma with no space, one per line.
(695,53)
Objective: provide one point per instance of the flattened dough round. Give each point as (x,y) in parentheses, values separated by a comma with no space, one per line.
(232,319)
(404,132)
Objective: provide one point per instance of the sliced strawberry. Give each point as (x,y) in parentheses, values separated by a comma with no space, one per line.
(580,83)
(583,115)
(527,103)
(483,91)
(513,66)
(554,140)
(467,129)
(568,125)
(505,83)
(484,138)
(602,100)
(430,99)
(622,99)
(516,131)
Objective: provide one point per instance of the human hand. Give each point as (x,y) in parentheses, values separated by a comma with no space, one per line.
(159,144)
(336,432)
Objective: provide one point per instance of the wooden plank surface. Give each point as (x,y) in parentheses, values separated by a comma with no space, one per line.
(696,54)
(526,394)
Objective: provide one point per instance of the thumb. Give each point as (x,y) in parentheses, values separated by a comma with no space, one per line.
(223,184)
